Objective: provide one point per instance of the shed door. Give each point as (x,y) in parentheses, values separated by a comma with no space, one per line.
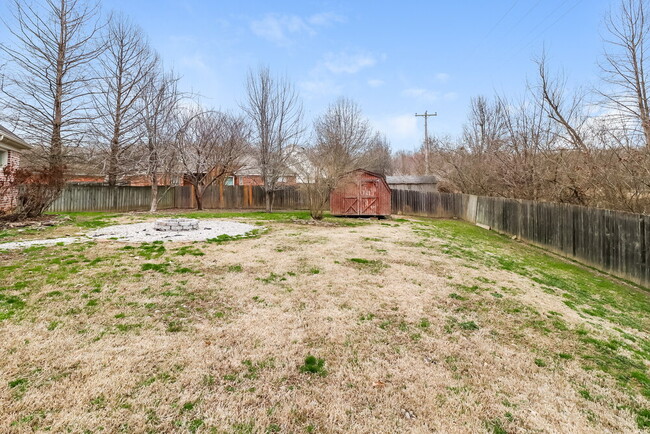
(350,205)
(368,196)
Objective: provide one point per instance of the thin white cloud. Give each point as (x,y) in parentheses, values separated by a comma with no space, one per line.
(421,94)
(375,82)
(325,19)
(450,96)
(279,28)
(182,40)
(442,77)
(195,61)
(402,128)
(348,63)
(320,87)
(282,29)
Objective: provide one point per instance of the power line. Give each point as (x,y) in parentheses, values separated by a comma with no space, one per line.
(532,41)
(503,17)
(523,17)
(549,15)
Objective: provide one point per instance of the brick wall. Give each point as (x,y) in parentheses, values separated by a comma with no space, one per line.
(8,196)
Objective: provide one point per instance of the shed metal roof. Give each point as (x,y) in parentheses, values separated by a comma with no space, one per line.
(409,179)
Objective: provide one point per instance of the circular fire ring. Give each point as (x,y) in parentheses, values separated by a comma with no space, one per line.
(176,225)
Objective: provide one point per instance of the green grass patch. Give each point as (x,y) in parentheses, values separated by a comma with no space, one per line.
(373,266)
(189,250)
(161,268)
(151,250)
(313,365)
(10,305)
(224,238)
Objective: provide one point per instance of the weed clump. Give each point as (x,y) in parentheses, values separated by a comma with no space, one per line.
(161,268)
(313,365)
(643,418)
(469,325)
(189,250)
(374,266)
(148,250)
(223,238)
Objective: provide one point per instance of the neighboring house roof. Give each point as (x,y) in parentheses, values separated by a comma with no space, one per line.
(12,140)
(408,179)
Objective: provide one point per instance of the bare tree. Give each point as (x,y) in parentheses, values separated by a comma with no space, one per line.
(158,108)
(47,88)
(209,147)
(572,156)
(378,156)
(528,135)
(274,108)
(624,65)
(344,141)
(125,66)
(472,166)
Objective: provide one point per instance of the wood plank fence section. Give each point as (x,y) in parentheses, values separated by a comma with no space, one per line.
(103,198)
(429,204)
(612,241)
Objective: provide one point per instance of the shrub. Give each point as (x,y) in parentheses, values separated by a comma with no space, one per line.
(36,190)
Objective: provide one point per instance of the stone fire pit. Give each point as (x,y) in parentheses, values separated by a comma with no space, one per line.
(176,225)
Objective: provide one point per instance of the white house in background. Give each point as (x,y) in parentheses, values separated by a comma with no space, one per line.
(11,146)
(250,173)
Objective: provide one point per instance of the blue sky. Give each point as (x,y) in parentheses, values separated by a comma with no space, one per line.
(394,58)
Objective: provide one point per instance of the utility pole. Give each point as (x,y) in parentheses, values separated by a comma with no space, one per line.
(426,139)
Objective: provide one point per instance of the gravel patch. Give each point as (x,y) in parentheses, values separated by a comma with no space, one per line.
(24,244)
(145,232)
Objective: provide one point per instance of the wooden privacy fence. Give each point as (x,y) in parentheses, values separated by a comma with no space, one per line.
(612,241)
(103,198)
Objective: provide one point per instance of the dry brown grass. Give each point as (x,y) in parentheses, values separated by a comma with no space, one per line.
(110,347)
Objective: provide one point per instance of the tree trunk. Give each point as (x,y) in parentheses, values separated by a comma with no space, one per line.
(153,169)
(267,200)
(56,149)
(154,193)
(198,195)
(112,165)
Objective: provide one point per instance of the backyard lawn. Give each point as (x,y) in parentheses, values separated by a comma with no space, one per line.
(403,325)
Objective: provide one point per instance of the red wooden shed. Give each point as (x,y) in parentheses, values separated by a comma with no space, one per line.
(361,193)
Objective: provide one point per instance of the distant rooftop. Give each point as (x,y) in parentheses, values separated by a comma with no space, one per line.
(409,179)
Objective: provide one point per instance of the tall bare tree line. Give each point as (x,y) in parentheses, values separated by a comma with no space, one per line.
(586,146)
(78,79)
(46,86)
